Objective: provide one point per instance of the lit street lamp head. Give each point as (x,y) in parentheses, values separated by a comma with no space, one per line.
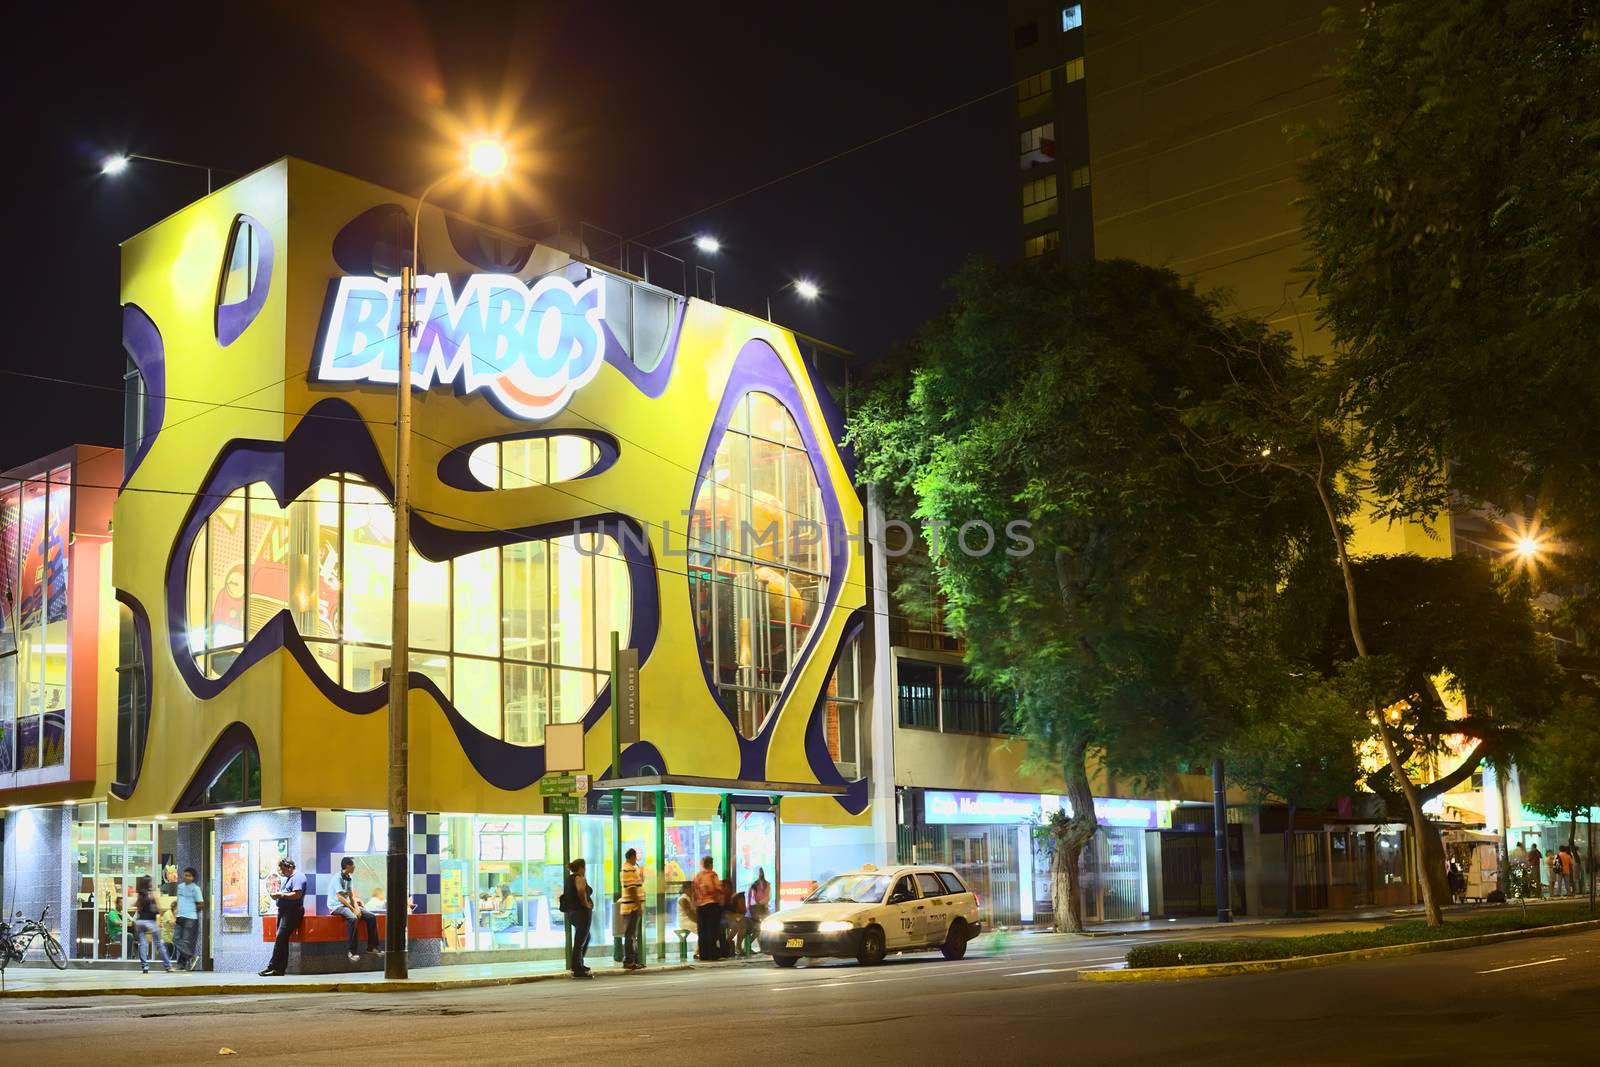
(486,158)
(114,165)
(1527,547)
(708,244)
(807,289)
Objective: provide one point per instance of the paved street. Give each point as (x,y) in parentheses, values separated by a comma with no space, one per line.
(1480,1005)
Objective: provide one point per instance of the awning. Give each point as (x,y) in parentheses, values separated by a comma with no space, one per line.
(691,783)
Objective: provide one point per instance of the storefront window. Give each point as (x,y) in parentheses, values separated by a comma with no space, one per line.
(516,637)
(110,858)
(758,558)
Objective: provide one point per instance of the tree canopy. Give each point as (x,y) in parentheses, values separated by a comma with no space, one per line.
(1451,213)
(1054,395)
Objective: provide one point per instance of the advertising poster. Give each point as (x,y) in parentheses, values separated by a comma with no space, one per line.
(30,595)
(56,547)
(755,846)
(10,512)
(268,853)
(235,893)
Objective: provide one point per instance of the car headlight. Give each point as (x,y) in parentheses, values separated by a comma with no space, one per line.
(773,925)
(834,926)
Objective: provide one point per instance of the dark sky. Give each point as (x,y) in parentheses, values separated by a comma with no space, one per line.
(639,113)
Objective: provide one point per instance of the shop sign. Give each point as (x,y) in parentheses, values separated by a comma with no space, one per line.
(949,808)
(529,347)
(552,785)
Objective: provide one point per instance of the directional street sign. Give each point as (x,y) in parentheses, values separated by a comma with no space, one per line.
(553,784)
(627,695)
(565,804)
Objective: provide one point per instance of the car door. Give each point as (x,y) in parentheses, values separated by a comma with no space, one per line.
(904,920)
(936,907)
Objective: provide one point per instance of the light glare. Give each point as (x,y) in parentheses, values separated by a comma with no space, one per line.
(807,289)
(487,158)
(113,164)
(708,244)
(1527,547)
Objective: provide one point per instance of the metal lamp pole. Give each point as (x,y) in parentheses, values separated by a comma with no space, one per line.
(399,857)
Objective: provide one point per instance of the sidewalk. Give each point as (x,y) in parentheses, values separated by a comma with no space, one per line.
(1208,923)
(22,981)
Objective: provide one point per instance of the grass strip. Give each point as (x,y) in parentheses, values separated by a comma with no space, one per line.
(1407,932)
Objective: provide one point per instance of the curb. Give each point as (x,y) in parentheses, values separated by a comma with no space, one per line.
(1327,959)
(409,985)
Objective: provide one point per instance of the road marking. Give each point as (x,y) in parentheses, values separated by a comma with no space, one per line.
(1517,966)
(1042,970)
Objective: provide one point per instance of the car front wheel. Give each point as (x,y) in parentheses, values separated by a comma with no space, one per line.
(955,942)
(872,947)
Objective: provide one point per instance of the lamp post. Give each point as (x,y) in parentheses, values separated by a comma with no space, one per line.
(114,165)
(487,159)
(804,288)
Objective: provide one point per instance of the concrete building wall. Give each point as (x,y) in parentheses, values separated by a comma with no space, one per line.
(39,865)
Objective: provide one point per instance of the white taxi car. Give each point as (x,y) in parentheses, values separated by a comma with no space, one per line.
(872,912)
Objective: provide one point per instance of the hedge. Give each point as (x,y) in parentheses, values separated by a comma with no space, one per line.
(1410,931)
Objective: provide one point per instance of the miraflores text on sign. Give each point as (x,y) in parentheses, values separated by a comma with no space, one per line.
(529,347)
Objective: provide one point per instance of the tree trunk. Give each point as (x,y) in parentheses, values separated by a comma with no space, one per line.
(1425,834)
(1288,862)
(1071,836)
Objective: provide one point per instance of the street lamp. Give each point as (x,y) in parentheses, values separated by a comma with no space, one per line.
(487,159)
(804,288)
(703,241)
(113,165)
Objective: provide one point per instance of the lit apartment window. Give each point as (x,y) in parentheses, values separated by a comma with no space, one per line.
(1074,70)
(1033,94)
(1038,146)
(1044,243)
(1080,177)
(1039,199)
(1071,17)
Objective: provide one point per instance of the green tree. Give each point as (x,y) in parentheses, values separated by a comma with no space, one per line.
(1054,395)
(1449,213)
(1561,771)
(1408,626)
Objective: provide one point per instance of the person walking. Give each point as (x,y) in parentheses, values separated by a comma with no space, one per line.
(632,905)
(187,938)
(1561,869)
(291,898)
(577,906)
(147,930)
(708,910)
(347,904)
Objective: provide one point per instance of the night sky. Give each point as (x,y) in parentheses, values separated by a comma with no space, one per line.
(637,114)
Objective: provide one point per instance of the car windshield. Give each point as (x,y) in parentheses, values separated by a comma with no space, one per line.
(851,889)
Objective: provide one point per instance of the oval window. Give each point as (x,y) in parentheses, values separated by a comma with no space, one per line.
(758,559)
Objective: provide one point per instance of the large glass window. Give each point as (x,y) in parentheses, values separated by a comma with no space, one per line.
(133,707)
(110,858)
(918,694)
(758,558)
(516,637)
(35,531)
(133,429)
(1038,145)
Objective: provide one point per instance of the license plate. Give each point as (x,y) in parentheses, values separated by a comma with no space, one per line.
(795,942)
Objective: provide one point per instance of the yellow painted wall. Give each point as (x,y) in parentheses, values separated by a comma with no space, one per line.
(313,753)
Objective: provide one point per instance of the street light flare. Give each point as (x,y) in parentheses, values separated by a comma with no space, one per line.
(807,289)
(708,244)
(487,157)
(114,165)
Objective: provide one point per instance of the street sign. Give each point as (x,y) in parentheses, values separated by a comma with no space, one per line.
(625,698)
(551,785)
(565,804)
(563,746)
(580,784)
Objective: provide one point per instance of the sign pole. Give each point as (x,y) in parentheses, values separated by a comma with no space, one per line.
(566,865)
(661,876)
(616,799)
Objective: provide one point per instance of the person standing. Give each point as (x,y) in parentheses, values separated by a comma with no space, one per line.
(187,938)
(632,906)
(1578,873)
(345,903)
(291,898)
(759,897)
(1536,866)
(708,910)
(147,930)
(577,906)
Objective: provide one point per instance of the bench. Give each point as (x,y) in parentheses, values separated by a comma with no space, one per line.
(318,947)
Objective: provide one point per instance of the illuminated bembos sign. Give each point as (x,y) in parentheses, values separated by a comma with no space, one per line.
(529,347)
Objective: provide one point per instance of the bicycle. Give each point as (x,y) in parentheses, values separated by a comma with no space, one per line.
(19,940)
